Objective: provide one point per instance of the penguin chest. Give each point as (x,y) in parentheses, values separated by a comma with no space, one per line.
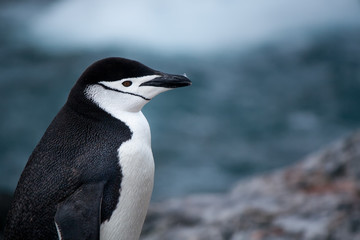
(137,168)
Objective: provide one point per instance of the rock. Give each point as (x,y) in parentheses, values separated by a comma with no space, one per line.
(316,199)
(5,202)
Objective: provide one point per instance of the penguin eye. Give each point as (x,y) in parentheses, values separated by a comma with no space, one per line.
(127,83)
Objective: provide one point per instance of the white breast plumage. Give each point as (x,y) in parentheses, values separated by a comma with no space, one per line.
(137,165)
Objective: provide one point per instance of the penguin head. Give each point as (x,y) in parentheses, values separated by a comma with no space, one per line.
(118,84)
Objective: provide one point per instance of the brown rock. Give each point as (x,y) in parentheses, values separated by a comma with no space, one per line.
(316,199)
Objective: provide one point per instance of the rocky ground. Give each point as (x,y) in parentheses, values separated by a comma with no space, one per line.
(317,199)
(5,201)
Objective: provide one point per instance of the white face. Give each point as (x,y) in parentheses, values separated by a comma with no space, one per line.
(123,95)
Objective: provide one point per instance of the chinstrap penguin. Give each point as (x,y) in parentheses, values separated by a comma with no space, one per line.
(91,175)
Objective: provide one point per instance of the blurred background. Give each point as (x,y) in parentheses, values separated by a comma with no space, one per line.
(272,80)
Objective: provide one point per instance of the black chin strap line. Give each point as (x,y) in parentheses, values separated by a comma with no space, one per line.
(116,90)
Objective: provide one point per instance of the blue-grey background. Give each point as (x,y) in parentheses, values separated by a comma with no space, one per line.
(272,80)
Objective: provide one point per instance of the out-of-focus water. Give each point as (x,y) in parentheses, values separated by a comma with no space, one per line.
(200,26)
(256,108)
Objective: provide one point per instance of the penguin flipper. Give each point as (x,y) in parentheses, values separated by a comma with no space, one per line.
(78,216)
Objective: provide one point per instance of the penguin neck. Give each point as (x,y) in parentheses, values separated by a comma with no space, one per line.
(82,106)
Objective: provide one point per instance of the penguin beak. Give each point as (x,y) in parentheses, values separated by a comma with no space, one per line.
(168,81)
